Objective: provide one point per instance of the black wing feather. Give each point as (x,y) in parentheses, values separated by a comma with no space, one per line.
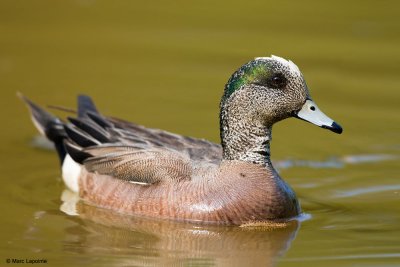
(90,128)
(100,120)
(85,105)
(80,137)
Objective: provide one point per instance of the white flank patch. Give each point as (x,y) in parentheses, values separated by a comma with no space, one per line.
(70,173)
(293,67)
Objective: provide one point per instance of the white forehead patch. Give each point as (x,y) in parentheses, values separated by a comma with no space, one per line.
(293,67)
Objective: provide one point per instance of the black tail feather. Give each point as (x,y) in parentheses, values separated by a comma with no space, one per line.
(48,125)
(89,129)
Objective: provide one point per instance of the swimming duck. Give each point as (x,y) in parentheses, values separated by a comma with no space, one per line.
(130,169)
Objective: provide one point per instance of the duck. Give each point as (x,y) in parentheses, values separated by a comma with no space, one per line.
(137,171)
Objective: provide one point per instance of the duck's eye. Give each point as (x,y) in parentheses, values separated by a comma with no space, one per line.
(277,81)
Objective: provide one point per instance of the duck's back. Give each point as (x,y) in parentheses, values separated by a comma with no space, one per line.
(197,149)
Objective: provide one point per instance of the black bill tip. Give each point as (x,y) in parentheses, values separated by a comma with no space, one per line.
(336,128)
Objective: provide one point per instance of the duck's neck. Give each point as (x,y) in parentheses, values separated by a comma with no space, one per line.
(244,139)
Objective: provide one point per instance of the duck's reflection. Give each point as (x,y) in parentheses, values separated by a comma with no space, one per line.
(146,242)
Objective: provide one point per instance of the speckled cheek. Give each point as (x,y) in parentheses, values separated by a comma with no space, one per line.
(297,95)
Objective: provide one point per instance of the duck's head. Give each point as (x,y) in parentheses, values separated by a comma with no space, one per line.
(269,89)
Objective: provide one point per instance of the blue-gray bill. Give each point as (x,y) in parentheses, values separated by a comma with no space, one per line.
(311,113)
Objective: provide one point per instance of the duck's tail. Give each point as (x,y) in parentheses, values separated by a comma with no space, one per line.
(47,125)
(69,137)
(52,127)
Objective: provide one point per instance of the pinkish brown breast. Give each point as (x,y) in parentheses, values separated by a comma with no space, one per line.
(231,194)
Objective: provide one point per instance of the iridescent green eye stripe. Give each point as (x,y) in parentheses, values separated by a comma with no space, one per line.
(247,74)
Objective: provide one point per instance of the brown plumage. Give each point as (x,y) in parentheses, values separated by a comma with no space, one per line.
(232,193)
(135,170)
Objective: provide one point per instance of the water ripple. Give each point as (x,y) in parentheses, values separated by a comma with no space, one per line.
(367,190)
(344,257)
(334,162)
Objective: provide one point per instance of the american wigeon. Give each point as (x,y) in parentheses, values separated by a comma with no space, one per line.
(135,170)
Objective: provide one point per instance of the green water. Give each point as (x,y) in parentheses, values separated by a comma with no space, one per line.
(164,65)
